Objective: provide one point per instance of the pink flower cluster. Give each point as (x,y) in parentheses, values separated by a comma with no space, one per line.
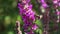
(28,15)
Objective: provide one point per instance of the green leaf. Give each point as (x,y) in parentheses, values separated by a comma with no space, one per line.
(10,32)
(39,23)
(40,31)
(19,18)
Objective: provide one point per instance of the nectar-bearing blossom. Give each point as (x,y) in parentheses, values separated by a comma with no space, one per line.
(59,3)
(28,15)
(25,1)
(43,3)
(34,27)
(45,6)
(57,12)
(55,1)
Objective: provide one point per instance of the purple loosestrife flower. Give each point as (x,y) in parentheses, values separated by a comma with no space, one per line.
(55,1)
(25,1)
(59,3)
(28,15)
(31,32)
(45,16)
(34,27)
(58,14)
(43,3)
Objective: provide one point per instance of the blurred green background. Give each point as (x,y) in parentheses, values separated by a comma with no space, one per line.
(8,16)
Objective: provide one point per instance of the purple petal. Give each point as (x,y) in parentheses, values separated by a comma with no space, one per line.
(34,27)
